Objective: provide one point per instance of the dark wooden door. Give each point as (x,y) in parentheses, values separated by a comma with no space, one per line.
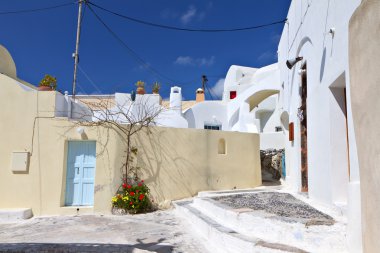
(303,129)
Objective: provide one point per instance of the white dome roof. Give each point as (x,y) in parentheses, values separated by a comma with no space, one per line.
(7,65)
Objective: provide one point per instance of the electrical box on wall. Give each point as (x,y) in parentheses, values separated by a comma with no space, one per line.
(291,131)
(20,161)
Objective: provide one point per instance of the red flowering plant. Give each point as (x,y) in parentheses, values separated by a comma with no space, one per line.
(133,198)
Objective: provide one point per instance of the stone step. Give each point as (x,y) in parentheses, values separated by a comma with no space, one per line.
(223,239)
(309,234)
(12,214)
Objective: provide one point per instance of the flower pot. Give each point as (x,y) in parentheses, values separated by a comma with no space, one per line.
(155,92)
(44,88)
(140,90)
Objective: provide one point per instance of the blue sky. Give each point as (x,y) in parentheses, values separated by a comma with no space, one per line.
(43,42)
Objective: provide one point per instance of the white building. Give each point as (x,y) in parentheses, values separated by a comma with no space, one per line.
(304,106)
(321,159)
(307,100)
(249,104)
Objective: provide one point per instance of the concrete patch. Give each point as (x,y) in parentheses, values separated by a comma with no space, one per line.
(160,232)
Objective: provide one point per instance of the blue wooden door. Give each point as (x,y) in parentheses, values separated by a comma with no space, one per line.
(81,159)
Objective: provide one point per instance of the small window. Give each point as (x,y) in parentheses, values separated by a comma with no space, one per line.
(232,94)
(278,129)
(222,147)
(212,127)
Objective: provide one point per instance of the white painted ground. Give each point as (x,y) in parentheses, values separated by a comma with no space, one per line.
(161,231)
(155,232)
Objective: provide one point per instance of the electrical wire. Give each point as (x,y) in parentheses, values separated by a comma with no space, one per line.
(209,92)
(84,11)
(37,9)
(186,29)
(89,79)
(131,52)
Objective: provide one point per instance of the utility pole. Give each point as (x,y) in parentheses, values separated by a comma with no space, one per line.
(76,55)
(204,81)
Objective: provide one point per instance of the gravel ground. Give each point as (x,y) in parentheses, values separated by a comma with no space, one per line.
(279,204)
(159,232)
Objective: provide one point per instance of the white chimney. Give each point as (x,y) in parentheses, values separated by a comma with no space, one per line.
(176,99)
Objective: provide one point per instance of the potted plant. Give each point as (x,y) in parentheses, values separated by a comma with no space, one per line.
(140,87)
(48,83)
(156,88)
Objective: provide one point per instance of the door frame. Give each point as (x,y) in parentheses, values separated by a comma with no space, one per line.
(66,164)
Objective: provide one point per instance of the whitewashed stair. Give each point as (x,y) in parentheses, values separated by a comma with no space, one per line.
(13,214)
(223,239)
(242,230)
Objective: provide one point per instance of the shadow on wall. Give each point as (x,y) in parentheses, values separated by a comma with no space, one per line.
(165,168)
(189,116)
(323,63)
(110,153)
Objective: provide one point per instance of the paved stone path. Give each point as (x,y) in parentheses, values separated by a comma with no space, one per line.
(282,205)
(159,232)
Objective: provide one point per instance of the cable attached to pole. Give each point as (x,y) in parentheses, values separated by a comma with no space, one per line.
(186,29)
(38,9)
(140,61)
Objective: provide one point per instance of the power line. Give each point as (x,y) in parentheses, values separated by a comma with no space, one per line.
(79,85)
(186,29)
(131,52)
(89,79)
(209,91)
(37,9)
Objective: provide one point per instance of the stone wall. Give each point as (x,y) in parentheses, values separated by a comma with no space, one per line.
(271,166)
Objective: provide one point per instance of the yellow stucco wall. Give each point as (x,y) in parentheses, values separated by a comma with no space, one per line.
(364,55)
(176,163)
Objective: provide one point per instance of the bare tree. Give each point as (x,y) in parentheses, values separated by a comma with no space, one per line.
(127,119)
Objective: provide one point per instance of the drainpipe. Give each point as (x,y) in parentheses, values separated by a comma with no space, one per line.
(68,101)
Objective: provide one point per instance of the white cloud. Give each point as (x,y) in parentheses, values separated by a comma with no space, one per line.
(218,88)
(184,60)
(189,14)
(189,61)
(267,56)
(205,61)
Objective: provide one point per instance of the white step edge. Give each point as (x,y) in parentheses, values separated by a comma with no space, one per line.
(274,230)
(222,239)
(13,214)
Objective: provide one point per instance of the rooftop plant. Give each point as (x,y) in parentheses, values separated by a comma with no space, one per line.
(140,84)
(49,81)
(156,87)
